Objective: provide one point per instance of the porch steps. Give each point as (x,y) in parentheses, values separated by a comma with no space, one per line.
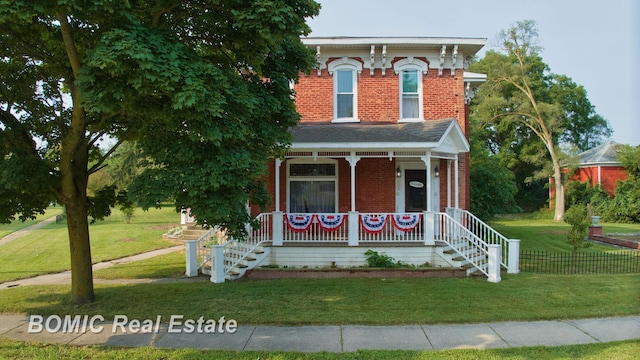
(467,258)
(250,261)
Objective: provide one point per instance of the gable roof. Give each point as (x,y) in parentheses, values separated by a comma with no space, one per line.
(606,153)
(444,135)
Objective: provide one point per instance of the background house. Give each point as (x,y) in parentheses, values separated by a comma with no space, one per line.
(598,166)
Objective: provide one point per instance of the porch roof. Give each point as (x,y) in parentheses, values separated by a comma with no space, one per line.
(443,135)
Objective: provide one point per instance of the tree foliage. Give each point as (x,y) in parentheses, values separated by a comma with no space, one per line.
(492,184)
(532,111)
(201,85)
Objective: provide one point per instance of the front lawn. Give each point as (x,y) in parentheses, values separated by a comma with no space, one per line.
(519,297)
(549,235)
(46,250)
(6,229)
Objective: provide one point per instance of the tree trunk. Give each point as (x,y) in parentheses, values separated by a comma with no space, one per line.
(80,249)
(559,200)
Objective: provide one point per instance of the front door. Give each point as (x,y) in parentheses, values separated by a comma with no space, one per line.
(415,189)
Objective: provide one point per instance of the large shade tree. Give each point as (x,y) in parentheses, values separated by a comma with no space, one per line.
(202,85)
(531,111)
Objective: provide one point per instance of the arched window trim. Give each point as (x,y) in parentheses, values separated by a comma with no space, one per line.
(355,66)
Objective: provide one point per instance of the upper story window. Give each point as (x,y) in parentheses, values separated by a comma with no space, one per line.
(345,89)
(410,71)
(411,94)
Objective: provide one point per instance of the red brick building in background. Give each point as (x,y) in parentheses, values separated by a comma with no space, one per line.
(598,166)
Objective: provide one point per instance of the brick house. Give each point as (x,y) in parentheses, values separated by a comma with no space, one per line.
(598,166)
(380,160)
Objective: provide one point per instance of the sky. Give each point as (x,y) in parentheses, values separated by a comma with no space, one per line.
(596,43)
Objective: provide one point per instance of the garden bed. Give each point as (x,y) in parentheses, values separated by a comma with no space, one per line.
(331,273)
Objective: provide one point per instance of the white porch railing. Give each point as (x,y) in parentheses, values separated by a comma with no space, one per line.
(391,234)
(509,248)
(315,233)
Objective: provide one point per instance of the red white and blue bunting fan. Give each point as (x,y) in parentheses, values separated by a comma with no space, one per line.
(299,222)
(406,222)
(373,224)
(330,222)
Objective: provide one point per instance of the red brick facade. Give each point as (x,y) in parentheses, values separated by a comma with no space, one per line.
(378,100)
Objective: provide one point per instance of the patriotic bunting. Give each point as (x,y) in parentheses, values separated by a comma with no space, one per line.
(330,222)
(373,224)
(406,222)
(299,222)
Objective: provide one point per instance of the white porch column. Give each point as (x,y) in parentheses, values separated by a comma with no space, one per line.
(277,174)
(353,216)
(427,162)
(514,257)
(448,183)
(192,257)
(217,263)
(494,263)
(353,160)
(456,183)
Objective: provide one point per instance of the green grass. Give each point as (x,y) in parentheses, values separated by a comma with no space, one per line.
(29,350)
(548,235)
(163,266)
(522,297)
(46,250)
(6,229)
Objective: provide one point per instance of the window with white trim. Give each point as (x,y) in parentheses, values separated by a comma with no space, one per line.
(345,92)
(410,97)
(312,187)
(410,71)
(345,89)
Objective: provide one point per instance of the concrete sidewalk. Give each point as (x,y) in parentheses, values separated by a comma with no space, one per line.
(330,338)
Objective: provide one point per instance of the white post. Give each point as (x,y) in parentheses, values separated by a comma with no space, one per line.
(429,227)
(278,228)
(448,183)
(456,183)
(494,263)
(277,175)
(192,258)
(354,228)
(514,257)
(217,263)
(353,160)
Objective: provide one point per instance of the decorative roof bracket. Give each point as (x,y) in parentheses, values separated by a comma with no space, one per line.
(454,55)
(384,59)
(373,59)
(443,53)
(318,60)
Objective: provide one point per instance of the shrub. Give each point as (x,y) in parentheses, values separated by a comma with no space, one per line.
(577,217)
(377,260)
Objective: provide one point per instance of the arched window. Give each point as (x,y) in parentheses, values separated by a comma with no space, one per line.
(345,89)
(410,71)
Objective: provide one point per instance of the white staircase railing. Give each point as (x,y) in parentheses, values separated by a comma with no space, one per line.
(479,254)
(198,252)
(510,248)
(229,257)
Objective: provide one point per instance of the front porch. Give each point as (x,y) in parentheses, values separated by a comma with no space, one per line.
(453,239)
